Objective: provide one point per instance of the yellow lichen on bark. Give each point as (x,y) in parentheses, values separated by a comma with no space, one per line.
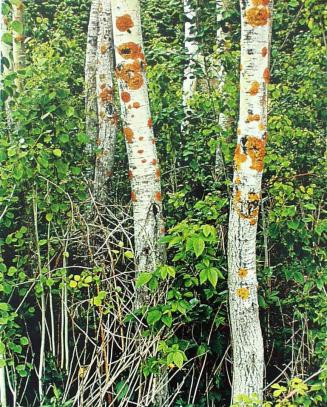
(257,16)
(243,293)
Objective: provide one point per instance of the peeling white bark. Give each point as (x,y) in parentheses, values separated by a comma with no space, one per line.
(192,51)
(248,351)
(18,41)
(91,112)
(107,115)
(144,171)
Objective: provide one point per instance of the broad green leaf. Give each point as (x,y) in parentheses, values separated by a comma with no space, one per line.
(198,246)
(167,320)
(178,359)
(7,38)
(17,26)
(153,316)
(57,152)
(143,279)
(213,276)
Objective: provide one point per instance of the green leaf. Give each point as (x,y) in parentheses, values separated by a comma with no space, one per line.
(57,152)
(17,26)
(129,255)
(213,276)
(178,359)
(2,363)
(121,390)
(73,284)
(18,172)
(23,341)
(167,320)
(7,38)
(4,306)
(198,246)
(153,316)
(49,217)
(143,279)
(203,276)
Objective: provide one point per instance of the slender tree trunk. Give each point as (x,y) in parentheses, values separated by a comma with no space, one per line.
(248,353)
(18,40)
(91,106)
(107,115)
(192,51)
(144,172)
(221,74)
(6,51)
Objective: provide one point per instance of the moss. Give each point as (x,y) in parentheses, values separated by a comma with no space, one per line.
(124,23)
(243,293)
(257,16)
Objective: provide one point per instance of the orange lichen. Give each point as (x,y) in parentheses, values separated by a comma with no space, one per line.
(243,273)
(136,105)
(241,67)
(131,50)
(143,161)
(252,197)
(157,196)
(254,89)
(257,16)
(162,230)
(129,135)
(131,74)
(153,141)
(19,38)
(266,75)
(264,51)
(124,23)
(158,173)
(130,174)
(238,131)
(239,157)
(253,118)
(150,122)
(103,48)
(154,162)
(260,2)
(133,196)
(256,149)
(261,126)
(238,181)
(106,95)
(243,293)
(125,97)
(141,138)
(140,151)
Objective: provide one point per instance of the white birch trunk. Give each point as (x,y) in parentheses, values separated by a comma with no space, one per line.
(221,76)
(3,390)
(192,51)
(91,107)
(144,172)
(248,351)
(107,115)
(7,55)
(18,41)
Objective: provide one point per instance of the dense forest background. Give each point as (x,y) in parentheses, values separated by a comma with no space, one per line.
(67,275)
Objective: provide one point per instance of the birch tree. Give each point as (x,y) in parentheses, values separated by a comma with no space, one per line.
(107,115)
(144,171)
(247,342)
(18,38)
(91,105)
(192,50)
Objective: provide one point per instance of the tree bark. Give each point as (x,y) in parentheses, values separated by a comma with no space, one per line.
(107,115)
(18,41)
(248,351)
(192,50)
(144,171)
(91,106)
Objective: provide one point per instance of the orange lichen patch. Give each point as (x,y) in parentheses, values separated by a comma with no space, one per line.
(154,162)
(257,16)
(19,38)
(158,173)
(133,196)
(141,138)
(129,135)
(252,197)
(261,126)
(143,161)
(130,174)
(106,95)
(241,67)
(115,119)
(238,131)
(136,105)
(157,196)
(140,151)
(125,97)
(153,141)
(253,118)
(256,149)
(238,181)
(103,48)
(109,174)
(162,230)
(124,23)
(102,86)
(266,75)
(243,293)
(131,74)
(131,50)
(150,123)
(255,86)
(260,2)
(264,51)
(239,157)
(243,273)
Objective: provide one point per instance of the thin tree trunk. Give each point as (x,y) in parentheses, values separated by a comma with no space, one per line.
(192,51)
(107,115)
(6,67)
(144,172)
(18,40)
(91,106)
(248,351)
